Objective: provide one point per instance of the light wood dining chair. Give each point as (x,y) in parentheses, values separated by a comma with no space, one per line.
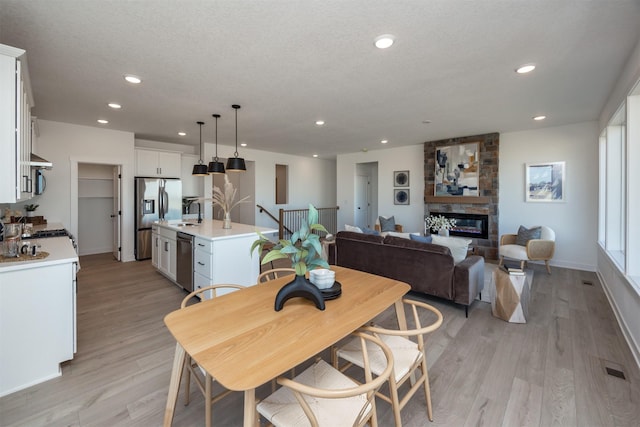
(323,396)
(274,273)
(203,380)
(409,356)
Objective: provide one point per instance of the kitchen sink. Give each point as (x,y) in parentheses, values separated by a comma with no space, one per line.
(187,224)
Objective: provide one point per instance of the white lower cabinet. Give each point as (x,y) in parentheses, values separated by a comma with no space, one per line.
(167,253)
(37,324)
(155,245)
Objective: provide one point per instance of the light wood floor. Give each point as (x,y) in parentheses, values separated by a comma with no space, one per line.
(483,371)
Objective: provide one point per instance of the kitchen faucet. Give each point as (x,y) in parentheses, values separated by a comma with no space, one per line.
(199,214)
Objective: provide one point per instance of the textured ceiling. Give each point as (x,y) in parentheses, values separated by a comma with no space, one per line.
(289,63)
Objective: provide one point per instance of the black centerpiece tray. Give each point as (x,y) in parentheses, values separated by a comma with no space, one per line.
(333,292)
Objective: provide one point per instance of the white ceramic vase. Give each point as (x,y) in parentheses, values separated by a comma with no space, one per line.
(443,232)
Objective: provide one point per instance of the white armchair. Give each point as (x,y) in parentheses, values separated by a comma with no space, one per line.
(541,249)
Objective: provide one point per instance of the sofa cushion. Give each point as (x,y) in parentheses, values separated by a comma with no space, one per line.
(419,238)
(352,228)
(387,224)
(371,238)
(458,246)
(368,230)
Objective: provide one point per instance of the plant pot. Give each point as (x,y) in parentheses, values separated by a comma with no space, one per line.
(226,222)
(300,286)
(443,232)
(30,214)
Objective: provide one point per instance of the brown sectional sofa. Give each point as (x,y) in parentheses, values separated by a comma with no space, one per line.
(427,267)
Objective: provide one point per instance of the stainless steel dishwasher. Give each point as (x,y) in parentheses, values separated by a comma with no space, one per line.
(184,267)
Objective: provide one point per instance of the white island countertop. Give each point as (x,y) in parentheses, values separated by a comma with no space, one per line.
(211,229)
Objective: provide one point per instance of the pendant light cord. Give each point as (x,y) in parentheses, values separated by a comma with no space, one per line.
(235,107)
(200,160)
(216,116)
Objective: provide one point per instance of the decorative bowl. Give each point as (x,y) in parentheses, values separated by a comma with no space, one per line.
(323,278)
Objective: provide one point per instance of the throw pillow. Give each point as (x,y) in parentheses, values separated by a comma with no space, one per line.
(387,224)
(352,228)
(368,230)
(456,245)
(422,239)
(526,234)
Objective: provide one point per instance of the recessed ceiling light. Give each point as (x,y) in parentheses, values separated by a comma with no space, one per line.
(244,144)
(384,141)
(426,122)
(315,155)
(182,133)
(524,69)
(384,41)
(319,122)
(539,118)
(132,79)
(103,121)
(114,105)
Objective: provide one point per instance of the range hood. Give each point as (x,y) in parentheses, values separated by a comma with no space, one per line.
(38,162)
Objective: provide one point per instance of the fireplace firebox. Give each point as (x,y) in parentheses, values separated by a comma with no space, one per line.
(467,225)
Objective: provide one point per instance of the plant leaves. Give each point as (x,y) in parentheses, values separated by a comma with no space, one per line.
(272,256)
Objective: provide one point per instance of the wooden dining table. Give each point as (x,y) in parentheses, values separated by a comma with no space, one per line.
(242,342)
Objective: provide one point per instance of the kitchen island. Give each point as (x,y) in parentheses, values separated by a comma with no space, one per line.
(37,315)
(220,256)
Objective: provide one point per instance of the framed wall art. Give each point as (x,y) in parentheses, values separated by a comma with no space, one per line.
(401,178)
(457,170)
(401,196)
(545,182)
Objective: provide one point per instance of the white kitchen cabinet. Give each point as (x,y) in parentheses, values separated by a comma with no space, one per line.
(37,316)
(154,163)
(16,101)
(155,245)
(167,257)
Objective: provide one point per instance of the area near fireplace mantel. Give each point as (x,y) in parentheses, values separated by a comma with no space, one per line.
(485,203)
(457,199)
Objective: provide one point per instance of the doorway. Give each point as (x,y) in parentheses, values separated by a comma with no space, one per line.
(365,194)
(99,209)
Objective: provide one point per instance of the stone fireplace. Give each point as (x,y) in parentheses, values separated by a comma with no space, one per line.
(482,205)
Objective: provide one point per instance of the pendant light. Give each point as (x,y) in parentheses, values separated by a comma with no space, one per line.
(236,164)
(216,166)
(200,169)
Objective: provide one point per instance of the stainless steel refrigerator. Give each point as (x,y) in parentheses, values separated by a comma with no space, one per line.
(157,199)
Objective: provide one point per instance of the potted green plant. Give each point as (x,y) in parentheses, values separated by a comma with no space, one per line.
(304,250)
(30,209)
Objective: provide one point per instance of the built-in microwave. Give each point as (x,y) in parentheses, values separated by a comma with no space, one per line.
(40,182)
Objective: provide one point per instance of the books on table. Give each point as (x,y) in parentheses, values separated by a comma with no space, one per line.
(514,271)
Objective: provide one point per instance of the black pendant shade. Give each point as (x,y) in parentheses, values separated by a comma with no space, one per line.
(216,166)
(200,169)
(236,164)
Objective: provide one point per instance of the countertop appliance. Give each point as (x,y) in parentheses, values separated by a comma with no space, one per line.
(157,199)
(184,261)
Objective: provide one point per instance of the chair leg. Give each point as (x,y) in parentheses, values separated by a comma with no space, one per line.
(427,389)
(207,400)
(500,261)
(546,262)
(395,401)
(522,265)
(187,382)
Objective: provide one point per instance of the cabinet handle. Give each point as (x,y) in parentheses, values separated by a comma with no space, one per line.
(200,244)
(199,263)
(166,246)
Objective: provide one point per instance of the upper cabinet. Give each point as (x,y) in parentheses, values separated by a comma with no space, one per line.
(153,163)
(16,101)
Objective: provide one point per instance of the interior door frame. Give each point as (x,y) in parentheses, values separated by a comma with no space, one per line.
(116,214)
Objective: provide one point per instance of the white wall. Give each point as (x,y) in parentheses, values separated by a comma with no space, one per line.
(575,220)
(409,158)
(311,180)
(66,145)
(623,296)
